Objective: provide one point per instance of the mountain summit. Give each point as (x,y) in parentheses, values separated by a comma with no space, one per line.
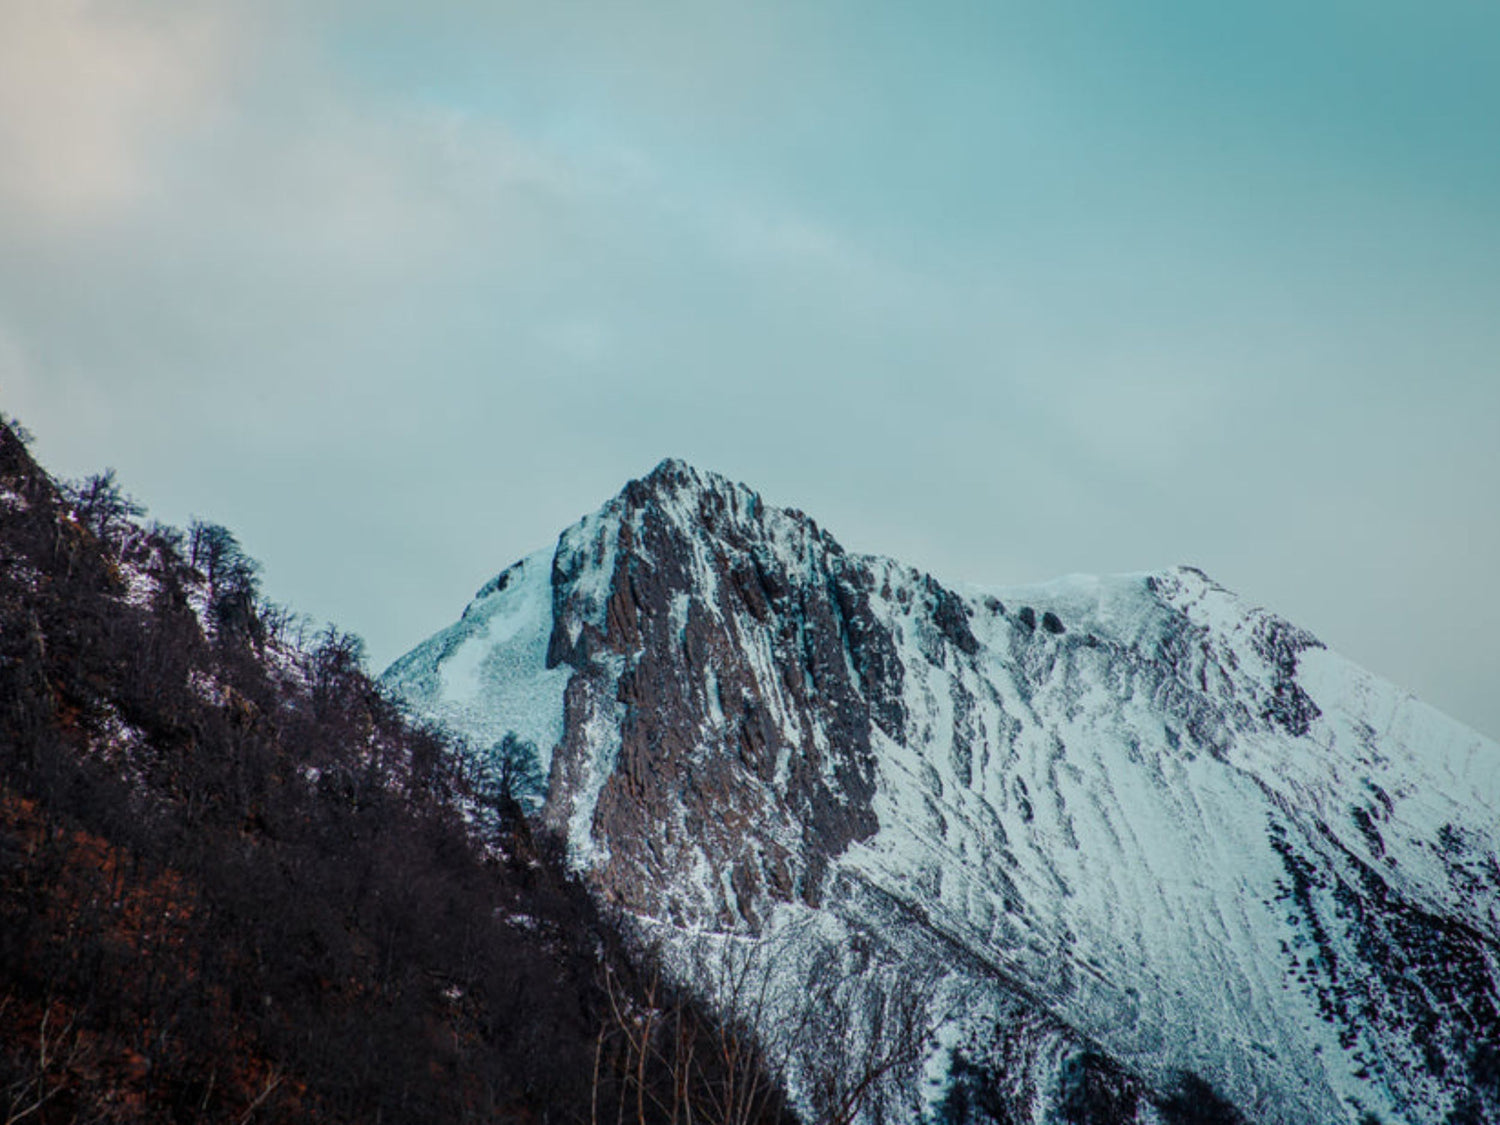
(1126,849)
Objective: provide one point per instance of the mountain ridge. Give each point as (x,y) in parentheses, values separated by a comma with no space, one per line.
(235,884)
(1174,828)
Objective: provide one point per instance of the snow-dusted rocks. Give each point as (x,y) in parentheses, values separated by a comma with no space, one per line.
(487,677)
(1132,842)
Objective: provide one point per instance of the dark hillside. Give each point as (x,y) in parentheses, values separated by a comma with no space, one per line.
(236,885)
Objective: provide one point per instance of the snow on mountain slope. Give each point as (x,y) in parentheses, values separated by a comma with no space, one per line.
(1134,839)
(486,676)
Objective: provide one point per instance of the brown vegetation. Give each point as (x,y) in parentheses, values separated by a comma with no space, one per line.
(236,885)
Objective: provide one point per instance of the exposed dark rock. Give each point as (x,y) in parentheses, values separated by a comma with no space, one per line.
(1280,643)
(951,614)
(495,584)
(1095,1091)
(973,1096)
(1366,825)
(765,772)
(881,675)
(1196,1102)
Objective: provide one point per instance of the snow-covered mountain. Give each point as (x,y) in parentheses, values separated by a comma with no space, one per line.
(1125,845)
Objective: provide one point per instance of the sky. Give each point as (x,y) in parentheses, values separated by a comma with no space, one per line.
(1007,290)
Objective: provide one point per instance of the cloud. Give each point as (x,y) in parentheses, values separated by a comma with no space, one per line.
(88,90)
(422,285)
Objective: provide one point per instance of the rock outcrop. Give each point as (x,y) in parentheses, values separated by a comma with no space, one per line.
(1129,848)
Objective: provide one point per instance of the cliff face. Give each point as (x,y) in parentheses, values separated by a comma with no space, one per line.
(736,673)
(1129,845)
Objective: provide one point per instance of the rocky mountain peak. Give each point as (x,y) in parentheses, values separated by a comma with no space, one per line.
(701,503)
(726,675)
(1134,833)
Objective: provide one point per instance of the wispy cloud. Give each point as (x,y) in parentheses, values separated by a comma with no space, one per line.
(1008,289)
(91,92)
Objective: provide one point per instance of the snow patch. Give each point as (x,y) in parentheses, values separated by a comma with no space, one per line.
(486,676)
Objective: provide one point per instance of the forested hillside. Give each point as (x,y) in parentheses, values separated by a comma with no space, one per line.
(237,885)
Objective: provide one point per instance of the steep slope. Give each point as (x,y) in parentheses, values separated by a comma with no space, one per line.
(235,885)
(1135,849)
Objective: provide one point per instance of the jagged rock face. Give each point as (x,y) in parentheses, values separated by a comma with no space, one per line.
(721,669)
(1143,845)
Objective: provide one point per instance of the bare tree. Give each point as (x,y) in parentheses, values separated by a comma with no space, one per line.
(336,662)
(58,1049)
(843,1044)
(862,1041)
(233,576)
(675,1064)
(17,427)
(101,505)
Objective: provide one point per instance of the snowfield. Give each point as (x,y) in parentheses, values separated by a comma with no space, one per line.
(1129,831)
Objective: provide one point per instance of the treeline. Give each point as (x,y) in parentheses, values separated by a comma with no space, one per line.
(237,885)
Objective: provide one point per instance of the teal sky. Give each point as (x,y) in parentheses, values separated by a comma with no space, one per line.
(1007,290)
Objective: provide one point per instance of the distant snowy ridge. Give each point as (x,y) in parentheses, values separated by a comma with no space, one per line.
(1136,837)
